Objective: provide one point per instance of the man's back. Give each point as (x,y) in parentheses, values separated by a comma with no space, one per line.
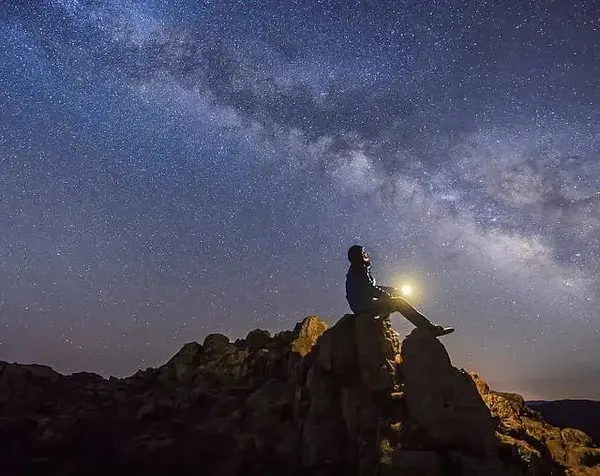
(361,289)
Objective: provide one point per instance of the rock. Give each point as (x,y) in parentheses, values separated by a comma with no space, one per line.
(540,447)
(86,378)
(364,344)
(442,401)
(258,339)
(272,391)
(583,456)
(509,420)
(354,364)
(306,334)
(316,400)
(23,388)
(232,366)
(184,361)
(482,387)
(337,347)
(147,410)
(521,454)
(574,437)
(581,414)
(215,344)
(417,462)
(377,350)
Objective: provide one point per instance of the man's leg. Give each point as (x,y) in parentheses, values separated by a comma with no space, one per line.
(384,307)
(403,307)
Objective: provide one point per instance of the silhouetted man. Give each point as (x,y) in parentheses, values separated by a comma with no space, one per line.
(365,297)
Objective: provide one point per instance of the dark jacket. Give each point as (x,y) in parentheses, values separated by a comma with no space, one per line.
(362,291)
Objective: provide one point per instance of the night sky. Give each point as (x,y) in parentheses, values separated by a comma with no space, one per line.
(170,169)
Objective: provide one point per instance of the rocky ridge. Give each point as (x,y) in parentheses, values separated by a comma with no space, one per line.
(350,399)
(581,414)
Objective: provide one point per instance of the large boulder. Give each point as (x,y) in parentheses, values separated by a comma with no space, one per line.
(443,402)
(352,372)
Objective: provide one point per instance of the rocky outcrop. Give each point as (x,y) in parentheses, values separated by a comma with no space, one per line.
(350,399)
(582,414)
(536,446)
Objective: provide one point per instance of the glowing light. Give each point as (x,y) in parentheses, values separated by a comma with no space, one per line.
(406,290)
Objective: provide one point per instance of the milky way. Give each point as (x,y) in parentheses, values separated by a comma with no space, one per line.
(174,168)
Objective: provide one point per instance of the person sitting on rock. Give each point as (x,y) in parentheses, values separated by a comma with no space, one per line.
(366,297)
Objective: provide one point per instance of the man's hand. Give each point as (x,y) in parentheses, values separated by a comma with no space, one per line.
(391,291)
(388,294)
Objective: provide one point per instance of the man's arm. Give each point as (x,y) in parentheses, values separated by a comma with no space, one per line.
(367,285)
(389,289)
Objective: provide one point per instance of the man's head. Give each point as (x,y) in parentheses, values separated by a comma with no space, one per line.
(358,255)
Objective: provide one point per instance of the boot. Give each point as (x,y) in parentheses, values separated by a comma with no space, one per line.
(439,331)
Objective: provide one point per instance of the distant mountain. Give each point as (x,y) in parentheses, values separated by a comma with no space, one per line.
(581,414)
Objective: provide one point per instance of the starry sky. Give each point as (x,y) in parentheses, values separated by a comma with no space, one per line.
(172,168)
